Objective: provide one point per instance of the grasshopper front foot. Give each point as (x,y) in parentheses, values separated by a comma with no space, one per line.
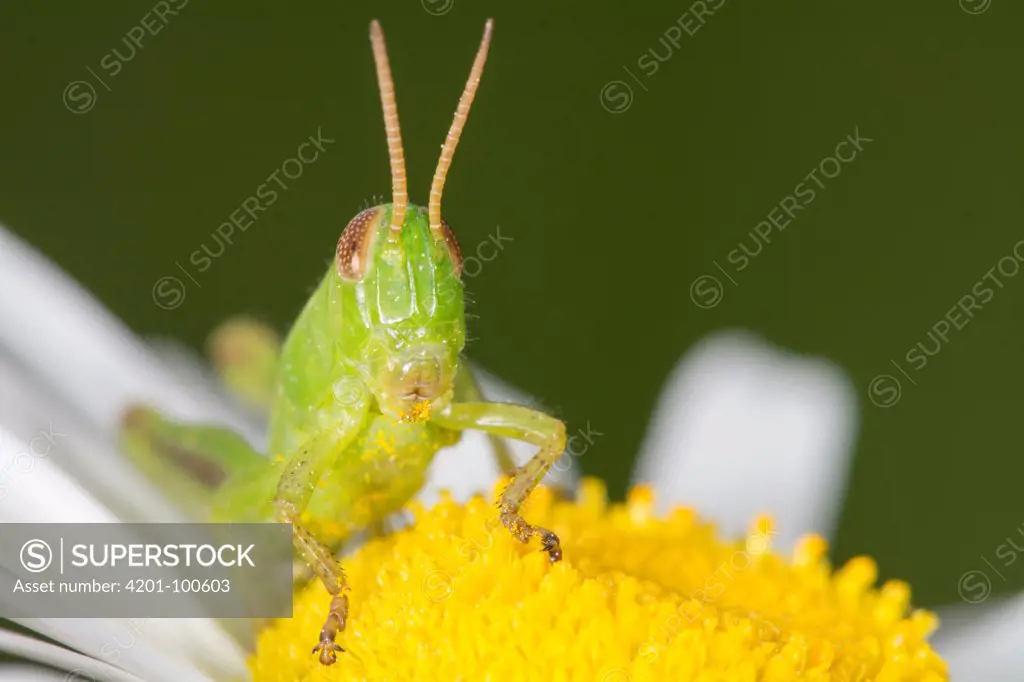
(523,423)
(336,618)
(552,545)
(523,531)
(333,578)
(327,649)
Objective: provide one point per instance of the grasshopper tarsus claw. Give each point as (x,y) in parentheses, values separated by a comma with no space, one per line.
(327,649)
(552,546)
(522,531)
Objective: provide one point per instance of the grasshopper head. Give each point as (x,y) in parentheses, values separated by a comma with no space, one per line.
(409,294)
(406,266)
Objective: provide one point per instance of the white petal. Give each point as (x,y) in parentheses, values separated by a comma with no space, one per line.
(153,648)
(70,340)
(468,468)
(55,431)
(207,645)
(30,673)
(743,428)
(191,369)
(36,490)
(981,643)
(138,647)
(34,673)
(45,493)
(33,649)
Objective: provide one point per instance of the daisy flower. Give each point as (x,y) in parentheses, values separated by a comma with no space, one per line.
(649,589)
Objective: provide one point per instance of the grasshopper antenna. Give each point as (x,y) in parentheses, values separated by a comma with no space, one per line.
(461,114)
(396,155)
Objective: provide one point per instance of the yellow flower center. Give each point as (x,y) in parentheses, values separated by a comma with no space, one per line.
(637,598)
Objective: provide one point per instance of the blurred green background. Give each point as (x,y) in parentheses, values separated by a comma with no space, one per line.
(612,215)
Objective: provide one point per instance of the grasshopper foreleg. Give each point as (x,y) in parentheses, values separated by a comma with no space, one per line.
(331,575)
(531,426)
(294,490)
(467,390)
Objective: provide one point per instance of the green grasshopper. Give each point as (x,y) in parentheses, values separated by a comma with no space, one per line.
(368,385)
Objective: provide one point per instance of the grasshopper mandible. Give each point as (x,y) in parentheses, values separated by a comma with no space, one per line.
(366,388)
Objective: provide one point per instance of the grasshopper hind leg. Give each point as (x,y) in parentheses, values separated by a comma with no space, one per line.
(188,461)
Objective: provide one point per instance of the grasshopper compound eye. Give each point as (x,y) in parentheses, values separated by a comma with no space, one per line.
(352,255)
(453,247)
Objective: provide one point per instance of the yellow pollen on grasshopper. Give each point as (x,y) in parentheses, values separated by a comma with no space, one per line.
(638,597)
(418,412)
